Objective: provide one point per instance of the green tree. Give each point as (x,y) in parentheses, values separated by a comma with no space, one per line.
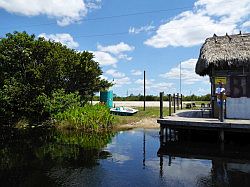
(31,67)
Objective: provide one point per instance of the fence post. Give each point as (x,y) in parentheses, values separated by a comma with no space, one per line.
(174,102)
(161,105)
(181,101)
(177,96)
(169,102)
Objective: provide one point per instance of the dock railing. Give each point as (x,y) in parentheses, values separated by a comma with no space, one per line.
(175,101)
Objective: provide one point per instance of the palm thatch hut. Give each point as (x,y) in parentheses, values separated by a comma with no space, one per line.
(227,58)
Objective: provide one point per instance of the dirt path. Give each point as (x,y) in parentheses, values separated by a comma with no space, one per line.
(147,123)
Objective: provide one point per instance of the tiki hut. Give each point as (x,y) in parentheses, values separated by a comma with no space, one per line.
(227,59)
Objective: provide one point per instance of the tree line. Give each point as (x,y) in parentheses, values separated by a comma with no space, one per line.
(157,98)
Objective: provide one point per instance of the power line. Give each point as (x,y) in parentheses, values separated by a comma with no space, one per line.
(109,17)
(105,17)
(127,32)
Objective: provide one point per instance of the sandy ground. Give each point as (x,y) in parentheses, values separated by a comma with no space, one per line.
(147,123)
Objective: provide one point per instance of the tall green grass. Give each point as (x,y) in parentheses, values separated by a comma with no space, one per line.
(87,118)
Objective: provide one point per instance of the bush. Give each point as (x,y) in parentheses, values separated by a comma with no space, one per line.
(59,101)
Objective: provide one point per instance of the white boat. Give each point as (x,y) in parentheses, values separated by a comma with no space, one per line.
(123,111)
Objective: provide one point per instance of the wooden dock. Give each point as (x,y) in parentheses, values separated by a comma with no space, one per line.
(186,120)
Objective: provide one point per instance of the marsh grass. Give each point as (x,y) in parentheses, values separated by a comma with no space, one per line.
(87,118)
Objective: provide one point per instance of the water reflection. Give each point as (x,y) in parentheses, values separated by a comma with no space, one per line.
(44,157)
(228,164)
(47,157)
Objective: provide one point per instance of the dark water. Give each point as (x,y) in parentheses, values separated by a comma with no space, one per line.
(128,158)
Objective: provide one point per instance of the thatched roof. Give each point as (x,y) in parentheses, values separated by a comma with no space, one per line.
(224,52)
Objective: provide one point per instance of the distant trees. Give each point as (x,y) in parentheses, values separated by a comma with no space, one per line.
(157,98)
(32,67)
(197,98)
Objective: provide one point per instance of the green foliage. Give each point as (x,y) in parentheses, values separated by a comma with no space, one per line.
(197,98)
(59,101)
(32,68)
(88,118)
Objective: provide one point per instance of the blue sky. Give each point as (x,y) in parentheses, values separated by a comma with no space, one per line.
(128,37)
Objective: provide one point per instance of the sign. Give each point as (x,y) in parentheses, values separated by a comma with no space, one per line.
(220,79)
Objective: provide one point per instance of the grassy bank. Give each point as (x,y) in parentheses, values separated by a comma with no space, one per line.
(150,112)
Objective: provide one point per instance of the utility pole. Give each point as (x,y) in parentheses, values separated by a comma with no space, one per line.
(144,104)
(180,78)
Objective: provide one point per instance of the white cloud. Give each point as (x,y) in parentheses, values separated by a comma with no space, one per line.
(208,17)
(93,4)
(124,57)
(64,11)
(202,91)
(103,77)
(246,24)
(109,55)
(152,87)
(63,38)
(148,82)
(116,49)
(114,73)
(136,72)
(122,81)
(162,87)
(146,28)
(188,75)
(104,59)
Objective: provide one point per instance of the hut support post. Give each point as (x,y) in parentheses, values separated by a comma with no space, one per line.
(221,107)
(222,135)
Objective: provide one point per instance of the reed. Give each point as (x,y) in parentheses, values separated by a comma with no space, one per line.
(87,118)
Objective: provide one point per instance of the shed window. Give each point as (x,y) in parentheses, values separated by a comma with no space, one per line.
(239,86)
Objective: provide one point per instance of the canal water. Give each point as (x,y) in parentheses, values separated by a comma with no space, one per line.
(127,158)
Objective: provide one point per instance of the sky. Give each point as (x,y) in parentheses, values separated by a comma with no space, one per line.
(127,37)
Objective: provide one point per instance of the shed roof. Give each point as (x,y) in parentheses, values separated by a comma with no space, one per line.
(224,52)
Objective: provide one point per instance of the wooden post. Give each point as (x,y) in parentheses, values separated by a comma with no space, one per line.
(222,135)
(144,103)
(161,166)
(177,101)
(169,106)
(161,105)
(221,107)
(161,130)
(181,101)
(174,102)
